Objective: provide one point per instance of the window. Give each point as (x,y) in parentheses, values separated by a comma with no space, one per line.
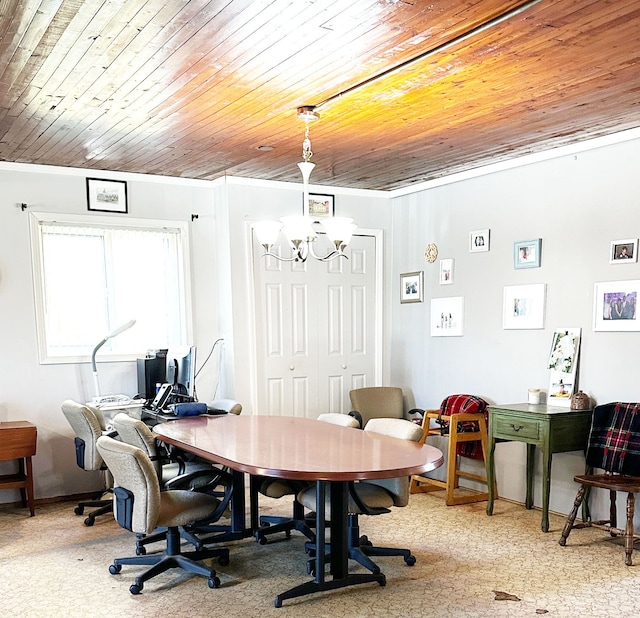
(94,274)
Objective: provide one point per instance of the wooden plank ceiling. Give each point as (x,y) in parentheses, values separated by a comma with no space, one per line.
(204,88)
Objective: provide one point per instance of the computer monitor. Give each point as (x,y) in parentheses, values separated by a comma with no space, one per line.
(181,368)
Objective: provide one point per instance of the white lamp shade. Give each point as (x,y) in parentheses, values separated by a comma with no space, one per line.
(267,232)
(339,229)
(297,228)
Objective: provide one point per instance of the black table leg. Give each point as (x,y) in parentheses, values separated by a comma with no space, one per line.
(339,547)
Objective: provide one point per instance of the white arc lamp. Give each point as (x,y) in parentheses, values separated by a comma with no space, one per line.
(299,230)
(111,335)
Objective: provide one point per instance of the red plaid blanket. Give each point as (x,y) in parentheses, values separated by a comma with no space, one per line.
(456,404)
(614,442)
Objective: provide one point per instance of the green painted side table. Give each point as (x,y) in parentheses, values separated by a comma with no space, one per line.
(552,429)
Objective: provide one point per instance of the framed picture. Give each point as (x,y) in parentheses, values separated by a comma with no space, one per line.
(446,272)
(615,306)
(479,241)
(523,306)
(623,251)
(320,205)
(526,253)
(411,287)
(447,315)
(107,195)
(563,365)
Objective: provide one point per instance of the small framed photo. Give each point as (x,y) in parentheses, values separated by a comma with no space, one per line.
(615,306)
(411,287)
(623,251)
(320,205)
(527,253)
(446,271)
(447,316)
(107,195)
(523,306)
(479,241)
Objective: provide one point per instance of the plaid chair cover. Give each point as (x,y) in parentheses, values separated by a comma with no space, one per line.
(456,404)
(614,442)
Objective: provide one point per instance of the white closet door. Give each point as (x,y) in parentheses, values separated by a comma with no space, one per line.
(315,330)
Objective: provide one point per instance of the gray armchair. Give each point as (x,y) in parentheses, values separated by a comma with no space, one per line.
(379,402)
(373,497)
(140,506)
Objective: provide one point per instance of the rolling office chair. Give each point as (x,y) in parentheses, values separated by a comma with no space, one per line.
(373,497)
(613,447)
(141,507)
(278,488)
(88,425)
(172,473)
(379,402)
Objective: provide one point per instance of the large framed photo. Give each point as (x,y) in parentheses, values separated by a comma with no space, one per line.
(447,316)
(623,251)
(479,241)
(411,287)
(615,306)
(523,306)
(320,205)
(526,253)
(107,195)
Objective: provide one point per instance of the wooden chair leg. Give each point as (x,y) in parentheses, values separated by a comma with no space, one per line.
(613,513)
(628,531)
(452,463)
(572,516)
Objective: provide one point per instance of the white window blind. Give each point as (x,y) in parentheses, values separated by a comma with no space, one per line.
(91,277)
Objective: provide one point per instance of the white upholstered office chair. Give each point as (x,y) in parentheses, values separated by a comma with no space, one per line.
(140,506)
(88,424)
(278,488)
(379,402)
(373,497)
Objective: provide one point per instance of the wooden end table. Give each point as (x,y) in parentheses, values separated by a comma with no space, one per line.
(18,441)
(553,429)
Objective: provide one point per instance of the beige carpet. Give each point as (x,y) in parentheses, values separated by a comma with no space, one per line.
(468,564)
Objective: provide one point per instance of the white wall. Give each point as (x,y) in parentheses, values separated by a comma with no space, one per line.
(577,204)
(33,392)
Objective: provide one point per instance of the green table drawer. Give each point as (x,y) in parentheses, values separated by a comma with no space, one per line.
(509,428)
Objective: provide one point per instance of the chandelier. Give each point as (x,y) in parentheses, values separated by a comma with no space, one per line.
(300,230)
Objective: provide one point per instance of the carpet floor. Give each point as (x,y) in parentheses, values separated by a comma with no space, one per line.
(468,564)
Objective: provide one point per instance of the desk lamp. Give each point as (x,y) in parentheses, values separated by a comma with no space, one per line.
(111,335)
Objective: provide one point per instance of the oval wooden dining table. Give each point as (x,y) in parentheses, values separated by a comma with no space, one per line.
(305,449)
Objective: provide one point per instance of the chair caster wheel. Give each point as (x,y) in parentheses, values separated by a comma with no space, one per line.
(277,602)
(223,560)
(78,510)
(213,582)
(114,569)
(410,560)
(135,588)
(383,581)
(141,551)
(364,540)
(261,539)
(89,521)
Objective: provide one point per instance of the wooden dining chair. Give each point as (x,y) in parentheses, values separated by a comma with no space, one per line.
(614,448)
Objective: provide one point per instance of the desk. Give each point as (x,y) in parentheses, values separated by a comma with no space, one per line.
(552,429)
(18,441)
(305,449)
